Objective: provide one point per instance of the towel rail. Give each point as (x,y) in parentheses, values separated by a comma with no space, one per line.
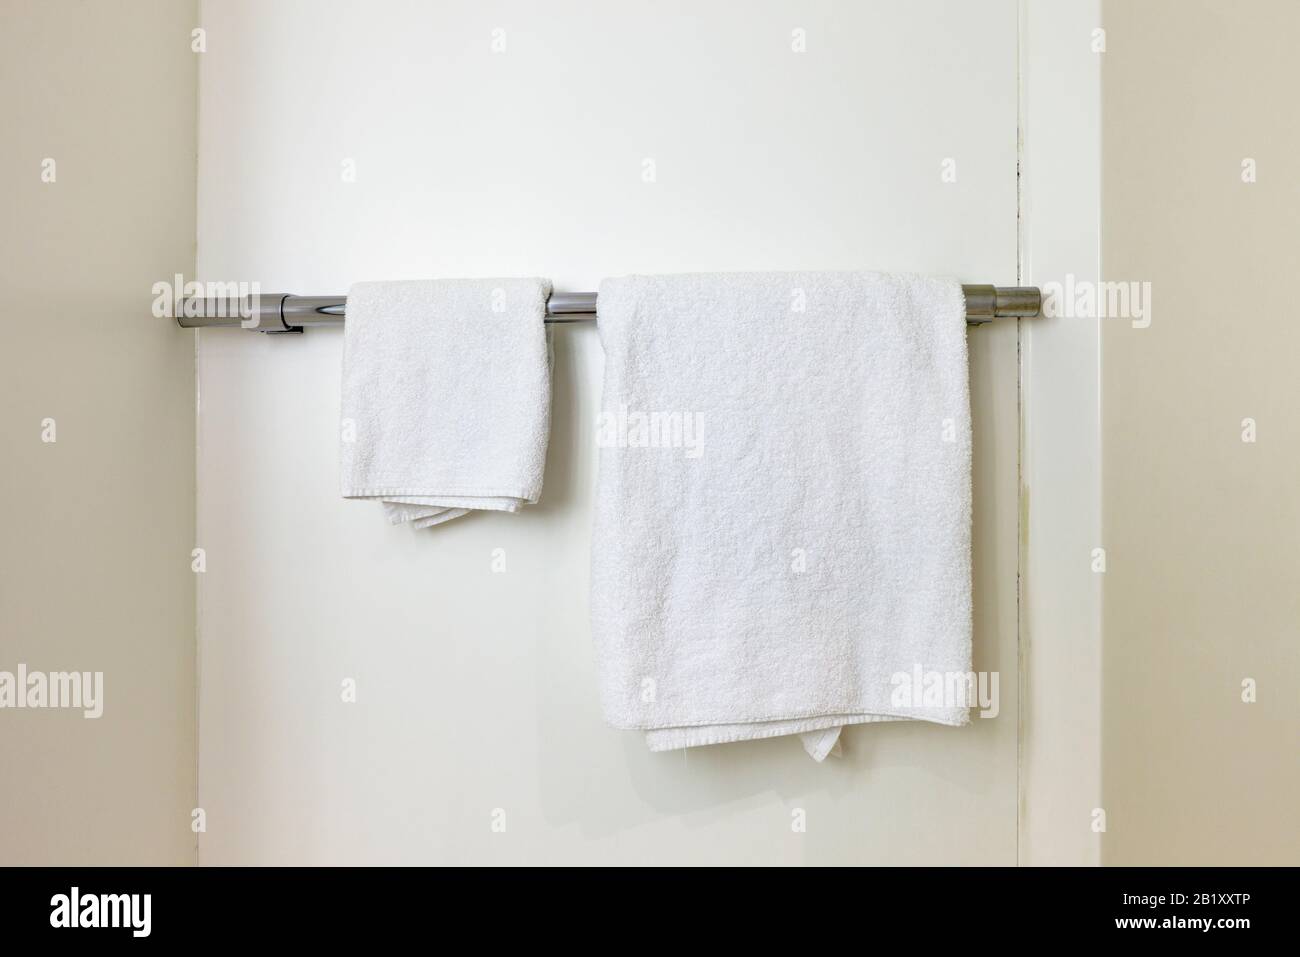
(284,312)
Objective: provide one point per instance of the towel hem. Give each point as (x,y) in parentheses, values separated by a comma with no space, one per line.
(379,491)
(850,715)
(757,733)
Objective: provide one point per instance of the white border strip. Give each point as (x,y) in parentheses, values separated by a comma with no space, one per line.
(1060,472)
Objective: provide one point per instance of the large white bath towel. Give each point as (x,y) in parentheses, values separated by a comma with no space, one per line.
(782,523)
(446,396)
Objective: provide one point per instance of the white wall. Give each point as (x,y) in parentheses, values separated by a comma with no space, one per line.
(476,691)
(1060,456)
(97,525)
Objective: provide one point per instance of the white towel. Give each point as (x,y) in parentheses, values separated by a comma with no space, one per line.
(446,396)
(782,523)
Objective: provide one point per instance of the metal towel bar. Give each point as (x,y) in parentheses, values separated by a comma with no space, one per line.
(283,312)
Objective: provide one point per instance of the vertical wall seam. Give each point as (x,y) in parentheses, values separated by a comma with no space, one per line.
(1021,498)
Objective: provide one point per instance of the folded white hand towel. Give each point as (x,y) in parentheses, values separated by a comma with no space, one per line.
(446,396)
(782,527)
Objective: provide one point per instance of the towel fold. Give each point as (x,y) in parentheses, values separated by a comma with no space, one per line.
(782,523)
(446,401)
